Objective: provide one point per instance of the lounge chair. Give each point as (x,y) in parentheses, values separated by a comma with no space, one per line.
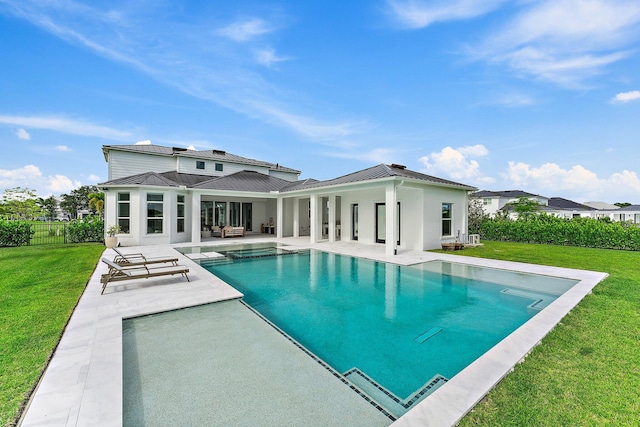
(139,259)
(119,272)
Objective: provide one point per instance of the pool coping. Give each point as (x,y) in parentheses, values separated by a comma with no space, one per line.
(82,385)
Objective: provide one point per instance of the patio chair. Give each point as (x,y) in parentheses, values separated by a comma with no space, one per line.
(139,259)
(119,272)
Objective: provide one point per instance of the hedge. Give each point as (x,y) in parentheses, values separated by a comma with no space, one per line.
(87,229)
(15,233)
(548,229)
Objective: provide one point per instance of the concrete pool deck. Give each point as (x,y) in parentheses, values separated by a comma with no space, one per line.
(82,385)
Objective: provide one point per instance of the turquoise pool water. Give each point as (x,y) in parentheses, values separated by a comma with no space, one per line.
(392,330)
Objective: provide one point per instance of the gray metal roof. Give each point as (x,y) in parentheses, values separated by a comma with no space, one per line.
(506,193)
(146,178)
(261,183)
(219,155)
(378,172)
(244,181)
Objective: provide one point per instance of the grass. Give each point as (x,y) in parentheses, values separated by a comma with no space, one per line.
(586,372)
(39,287)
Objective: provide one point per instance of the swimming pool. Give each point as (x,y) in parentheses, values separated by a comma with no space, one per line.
(396,332)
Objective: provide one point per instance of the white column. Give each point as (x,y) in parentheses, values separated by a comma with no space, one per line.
(391,219)
(296,217)
(313,230)
(332,218)
(279,218)
(195,217)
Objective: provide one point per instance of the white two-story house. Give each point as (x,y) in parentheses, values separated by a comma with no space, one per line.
(160,195)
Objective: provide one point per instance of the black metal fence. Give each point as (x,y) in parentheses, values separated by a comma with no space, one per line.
(49,233)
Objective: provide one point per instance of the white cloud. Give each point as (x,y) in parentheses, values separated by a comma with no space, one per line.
(61,184)
(62,148)
(30,176)
(419,14)
(456,163)
(564,41)
(143,142)
(23,134)
(64,125)
(552,180)
(93,178)
(267,57)
(627,96)
(246,30)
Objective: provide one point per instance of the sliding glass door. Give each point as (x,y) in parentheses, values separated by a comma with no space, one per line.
(381,223)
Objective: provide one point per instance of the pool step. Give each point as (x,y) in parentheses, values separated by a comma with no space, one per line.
(385,397)
(428,334)
(540,300)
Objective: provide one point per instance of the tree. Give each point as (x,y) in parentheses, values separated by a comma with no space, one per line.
(49,206)
(78,200)
(477,214)
(96,202)
(20,203)
(524,207)
(622,204)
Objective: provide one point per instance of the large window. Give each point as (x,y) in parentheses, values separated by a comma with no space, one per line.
(234,214)
(221,214)
(446,219)
(155,213)
(180,214)
(124,212)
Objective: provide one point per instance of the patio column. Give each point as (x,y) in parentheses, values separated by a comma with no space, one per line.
(296,217)
(313,227)
(391,202)
(279,218)
(332,218)
(195,217)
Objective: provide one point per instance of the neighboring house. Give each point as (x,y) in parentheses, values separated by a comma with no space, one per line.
(629,213)
(494,201)
(161,195)
(565,208)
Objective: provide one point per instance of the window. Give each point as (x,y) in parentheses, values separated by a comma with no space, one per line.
(219,167)
(446,219)
(199,164)
(180,214)
(155,213)
(124,209)
(486,202)
(354,222)
(220,214)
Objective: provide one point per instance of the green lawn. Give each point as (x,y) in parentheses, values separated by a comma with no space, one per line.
(586,372)
(39,287)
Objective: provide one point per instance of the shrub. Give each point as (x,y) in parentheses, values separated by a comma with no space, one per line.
(87,229)
(15,233)
(548,229)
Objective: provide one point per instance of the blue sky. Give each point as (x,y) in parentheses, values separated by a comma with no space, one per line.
(541,96)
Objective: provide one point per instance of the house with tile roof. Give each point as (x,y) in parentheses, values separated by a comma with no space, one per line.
(161,195)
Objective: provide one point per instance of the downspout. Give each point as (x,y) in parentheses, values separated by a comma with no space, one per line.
(395,197)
